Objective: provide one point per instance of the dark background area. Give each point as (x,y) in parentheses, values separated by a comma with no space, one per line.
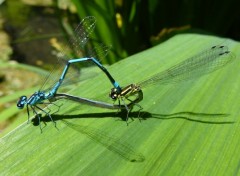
(130,26)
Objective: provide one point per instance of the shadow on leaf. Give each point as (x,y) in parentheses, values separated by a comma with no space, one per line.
(216,118)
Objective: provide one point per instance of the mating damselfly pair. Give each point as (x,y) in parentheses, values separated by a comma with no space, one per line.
(202,63)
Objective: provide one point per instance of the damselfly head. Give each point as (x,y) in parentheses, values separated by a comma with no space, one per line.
(114,93)
(21,102)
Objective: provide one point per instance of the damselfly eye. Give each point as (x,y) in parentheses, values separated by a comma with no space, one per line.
(21,102)
(113,94)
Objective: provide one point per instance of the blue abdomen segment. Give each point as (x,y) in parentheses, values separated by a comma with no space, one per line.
(56,87)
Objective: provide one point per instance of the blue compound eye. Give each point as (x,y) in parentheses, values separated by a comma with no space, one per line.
(21,102)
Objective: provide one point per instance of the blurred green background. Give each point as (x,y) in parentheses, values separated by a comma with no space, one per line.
(30,30)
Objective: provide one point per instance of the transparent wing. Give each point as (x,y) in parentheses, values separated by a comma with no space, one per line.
(110,142)
(81,36)
(72,76)
(196,66)
(76,43)
(99,52)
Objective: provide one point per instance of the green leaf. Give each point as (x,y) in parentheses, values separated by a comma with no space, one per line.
(190,128)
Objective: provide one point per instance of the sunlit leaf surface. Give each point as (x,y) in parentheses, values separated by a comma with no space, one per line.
(188,128)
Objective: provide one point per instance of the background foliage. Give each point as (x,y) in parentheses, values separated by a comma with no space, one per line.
(129,26)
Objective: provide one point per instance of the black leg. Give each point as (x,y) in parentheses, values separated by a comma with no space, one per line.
(28,113)
(139,111)
(136,104)
(47,114)
(54,105)
(57,106)
(128,110)
(39,118)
